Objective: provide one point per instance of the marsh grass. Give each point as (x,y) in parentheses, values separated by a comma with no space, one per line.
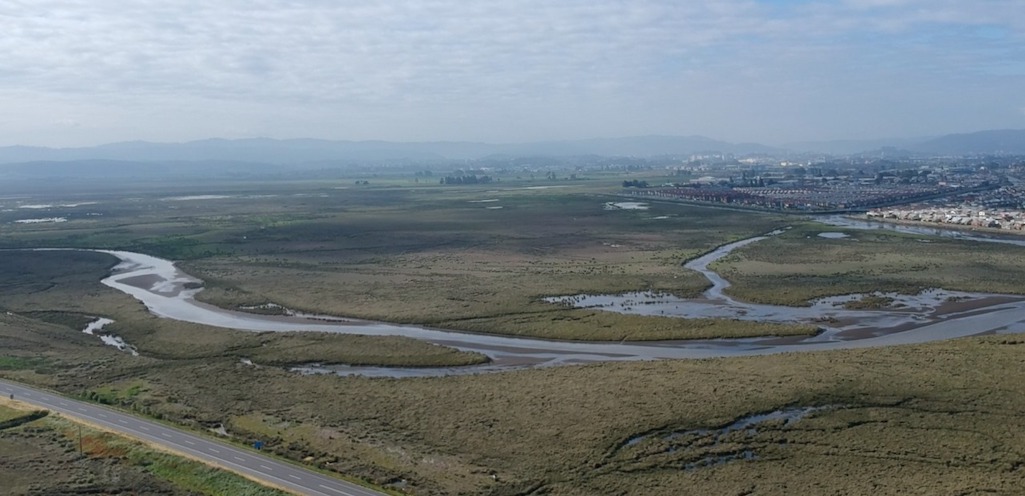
(19,363)
(70,296)
(448,262)
(70,320)
(185,474)
(798,266)
(42,457)
(561,430)
(425,255)
(869,302)
(564,428)
(8,413)
(285,349)
(943,417)
(608,326)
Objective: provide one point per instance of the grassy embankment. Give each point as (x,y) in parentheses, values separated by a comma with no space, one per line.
(8,413)
(43,457)
(798,266)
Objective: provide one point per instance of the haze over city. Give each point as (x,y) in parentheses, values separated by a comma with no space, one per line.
(86,73)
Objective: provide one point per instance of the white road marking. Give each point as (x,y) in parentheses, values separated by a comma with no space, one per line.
(123,421)
(213,450)
(189,442)
(296,477)
(332,489)
(239,458)
(165,434)
(265,467)
(143,427)
(102,415)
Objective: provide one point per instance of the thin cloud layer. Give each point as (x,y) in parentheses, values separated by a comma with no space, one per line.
(507,71)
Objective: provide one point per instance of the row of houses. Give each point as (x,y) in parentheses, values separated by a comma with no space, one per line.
(1013,220)
(823,197)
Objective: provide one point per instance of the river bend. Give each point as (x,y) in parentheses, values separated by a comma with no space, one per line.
(930,316)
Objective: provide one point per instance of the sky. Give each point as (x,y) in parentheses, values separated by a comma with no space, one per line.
(80,73)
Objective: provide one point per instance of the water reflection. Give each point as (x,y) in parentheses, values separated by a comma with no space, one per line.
(852,223)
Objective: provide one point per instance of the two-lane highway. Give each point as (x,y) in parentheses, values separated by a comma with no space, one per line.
(242,461)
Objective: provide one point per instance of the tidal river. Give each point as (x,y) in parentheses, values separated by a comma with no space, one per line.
(930,316)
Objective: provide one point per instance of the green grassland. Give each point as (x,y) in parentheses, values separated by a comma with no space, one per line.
(798,266)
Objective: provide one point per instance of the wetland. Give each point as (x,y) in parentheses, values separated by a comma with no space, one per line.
(925,417)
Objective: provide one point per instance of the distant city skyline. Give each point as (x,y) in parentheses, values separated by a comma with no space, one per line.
(82,73)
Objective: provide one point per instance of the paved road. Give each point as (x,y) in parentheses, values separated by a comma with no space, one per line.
(235,459)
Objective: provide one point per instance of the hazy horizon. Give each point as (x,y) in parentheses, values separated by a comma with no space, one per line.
(483,142)
(769,71)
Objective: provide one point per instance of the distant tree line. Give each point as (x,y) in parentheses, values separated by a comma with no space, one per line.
(470,179)
(635,184)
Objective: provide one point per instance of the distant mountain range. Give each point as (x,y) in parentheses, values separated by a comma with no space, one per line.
(853,147)
(262,156)
(1004,142)
(311,151)
(995,142)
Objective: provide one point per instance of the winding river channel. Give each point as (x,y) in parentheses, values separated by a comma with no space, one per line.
(930,316)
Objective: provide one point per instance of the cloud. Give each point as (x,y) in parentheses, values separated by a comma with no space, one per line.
(67,123)
(438,56)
